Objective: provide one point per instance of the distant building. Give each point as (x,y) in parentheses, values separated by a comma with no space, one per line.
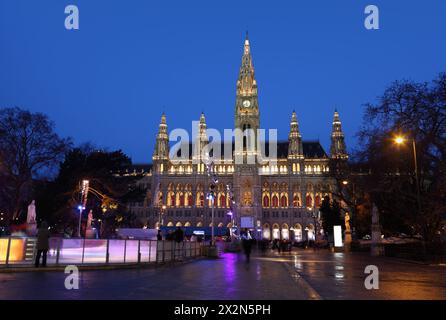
(276,200)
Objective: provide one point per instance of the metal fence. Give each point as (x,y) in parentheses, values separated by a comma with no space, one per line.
(22,251)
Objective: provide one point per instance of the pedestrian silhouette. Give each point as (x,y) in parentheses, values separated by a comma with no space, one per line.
(43,235)
(247,244)
(179,237)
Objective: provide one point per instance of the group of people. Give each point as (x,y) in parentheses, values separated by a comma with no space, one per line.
(178,236)
(248,241)
(281,245)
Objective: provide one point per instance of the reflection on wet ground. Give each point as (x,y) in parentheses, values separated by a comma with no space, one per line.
(341,276)
(331,275)
(226,278)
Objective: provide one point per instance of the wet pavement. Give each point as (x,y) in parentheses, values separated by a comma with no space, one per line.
(331,275)
(341,276)
(226,278)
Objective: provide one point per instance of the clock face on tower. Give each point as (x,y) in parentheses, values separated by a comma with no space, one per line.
(246,103)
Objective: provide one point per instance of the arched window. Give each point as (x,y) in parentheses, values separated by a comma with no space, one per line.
(295,201)
(276,231)
(190,200)
(222,200)
(160,198)
(275,201)
(171,199)
(266,231)
(283,201)
(285,232)
(297,232)
(202,200)
(181,200)
(308,201)
(265,201)
(318,201)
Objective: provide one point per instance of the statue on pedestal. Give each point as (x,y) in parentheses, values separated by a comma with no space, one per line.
(348,233)
(347,223)
(31,217)
(89,220)
(89,232)
(31,223)
(376,247)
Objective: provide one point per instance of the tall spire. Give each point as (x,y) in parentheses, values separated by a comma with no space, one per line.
(161,151)
(295,149)
(201,140)
(338,150)
(247,114)
(246,84)
(203,137)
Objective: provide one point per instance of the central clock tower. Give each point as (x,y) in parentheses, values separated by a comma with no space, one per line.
(247,186)
(247,106)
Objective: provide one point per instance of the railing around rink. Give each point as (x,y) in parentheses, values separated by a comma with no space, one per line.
(22,251)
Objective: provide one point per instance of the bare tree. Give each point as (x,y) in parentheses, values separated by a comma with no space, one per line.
(416,111)
(28,146)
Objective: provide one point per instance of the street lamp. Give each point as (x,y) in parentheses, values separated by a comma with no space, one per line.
(353,210)
(232,211)
(313,213)
(84,195)
(163,212)
(161,215)
(211,196)
(401,140)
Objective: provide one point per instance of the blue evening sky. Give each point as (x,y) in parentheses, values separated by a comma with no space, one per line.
(109,82)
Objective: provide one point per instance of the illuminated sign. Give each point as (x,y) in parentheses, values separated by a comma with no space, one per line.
(337,236)
(16,250)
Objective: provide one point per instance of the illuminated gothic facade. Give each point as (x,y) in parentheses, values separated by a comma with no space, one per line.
(277,200)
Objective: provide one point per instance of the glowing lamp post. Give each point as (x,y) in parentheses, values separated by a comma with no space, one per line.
(211,196)
(399,140)
(84,195)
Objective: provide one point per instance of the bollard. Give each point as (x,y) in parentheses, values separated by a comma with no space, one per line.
(107,253)
(7,252)
(139,251)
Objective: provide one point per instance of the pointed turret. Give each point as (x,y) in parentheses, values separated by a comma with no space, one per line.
(295,149)
(161,151)
(338,150)
(201,139)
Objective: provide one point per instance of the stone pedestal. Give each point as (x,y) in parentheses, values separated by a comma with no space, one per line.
(90,234)
(31,229)
(376,248)
(347,241)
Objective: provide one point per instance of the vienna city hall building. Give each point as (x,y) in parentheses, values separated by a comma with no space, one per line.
(275,199)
